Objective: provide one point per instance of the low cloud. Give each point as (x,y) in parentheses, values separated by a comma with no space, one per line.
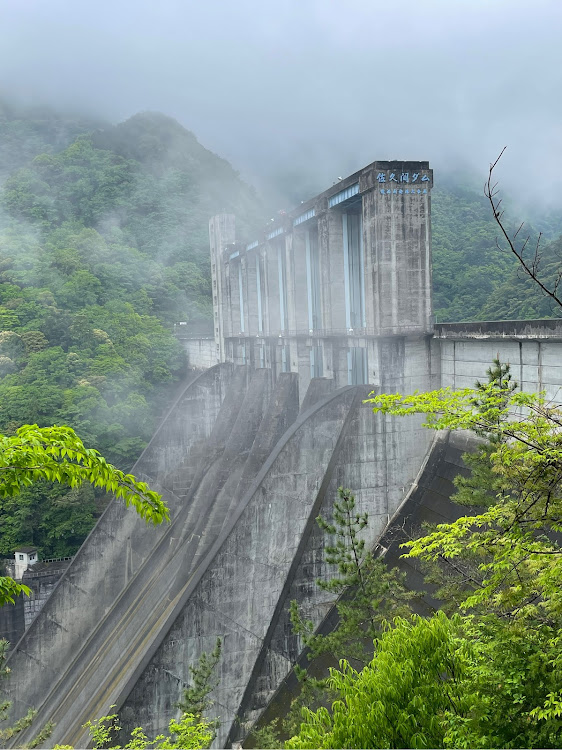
(308,90)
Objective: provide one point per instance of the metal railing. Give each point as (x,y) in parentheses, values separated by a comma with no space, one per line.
(44,573)
(56,559)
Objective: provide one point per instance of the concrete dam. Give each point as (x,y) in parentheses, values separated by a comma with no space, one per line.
(332,302)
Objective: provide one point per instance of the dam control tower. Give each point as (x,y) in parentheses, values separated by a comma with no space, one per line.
(328,286)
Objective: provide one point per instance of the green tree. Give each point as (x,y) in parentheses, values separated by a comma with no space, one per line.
(448,683)
(50,516)
(367,593)
(195,698)
(397,699)
(186,733)
(56,454)
(514,537)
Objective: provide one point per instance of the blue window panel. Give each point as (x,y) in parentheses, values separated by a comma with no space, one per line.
(241,298)
(304,217)
(344,195)
(357,366)
(258,284)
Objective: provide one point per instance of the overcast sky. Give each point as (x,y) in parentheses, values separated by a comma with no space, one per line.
(311,87)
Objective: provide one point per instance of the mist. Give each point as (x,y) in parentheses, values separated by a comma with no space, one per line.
(300,92)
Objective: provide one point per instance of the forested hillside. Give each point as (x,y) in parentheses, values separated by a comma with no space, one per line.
(28,132)
(103,246)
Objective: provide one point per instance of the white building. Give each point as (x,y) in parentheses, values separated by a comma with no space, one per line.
(24,557)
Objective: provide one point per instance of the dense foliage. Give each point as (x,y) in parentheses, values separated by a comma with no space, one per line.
(103,246)
(445,682)
(27,132)
(187,733)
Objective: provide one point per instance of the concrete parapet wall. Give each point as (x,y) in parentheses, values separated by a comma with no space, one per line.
(535,359)
(547,328)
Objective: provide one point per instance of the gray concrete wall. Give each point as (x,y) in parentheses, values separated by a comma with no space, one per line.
(12,621)
(41,579)
(237,589)
(397,230)
(189,421)
(379,459)
(532,348)
(201,352)
(429,500)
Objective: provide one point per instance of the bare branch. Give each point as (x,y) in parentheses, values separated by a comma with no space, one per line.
(530,268)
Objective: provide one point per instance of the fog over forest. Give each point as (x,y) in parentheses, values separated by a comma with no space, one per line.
(300,92)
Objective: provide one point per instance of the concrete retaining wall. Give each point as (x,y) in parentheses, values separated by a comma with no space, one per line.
(12,621)
(201,352)
(41,579)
